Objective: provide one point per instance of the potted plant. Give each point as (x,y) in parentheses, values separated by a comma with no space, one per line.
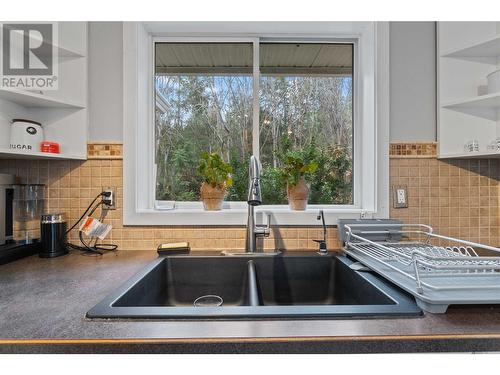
(295,168)
(216,176)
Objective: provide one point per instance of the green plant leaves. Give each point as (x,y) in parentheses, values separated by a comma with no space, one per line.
(296,163)
(327,169)
(214,170)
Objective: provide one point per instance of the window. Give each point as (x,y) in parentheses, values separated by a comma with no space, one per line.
(224,64)
(204,102)
(306,106)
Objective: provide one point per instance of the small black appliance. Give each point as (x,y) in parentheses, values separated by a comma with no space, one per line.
(53,235)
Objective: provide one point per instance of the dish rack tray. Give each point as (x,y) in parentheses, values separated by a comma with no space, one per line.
(438,270)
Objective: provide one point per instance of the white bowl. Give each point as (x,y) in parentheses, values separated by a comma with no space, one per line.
(493,82)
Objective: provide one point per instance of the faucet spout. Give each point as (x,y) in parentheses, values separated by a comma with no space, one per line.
(322,243)
(254,192)
(254,199)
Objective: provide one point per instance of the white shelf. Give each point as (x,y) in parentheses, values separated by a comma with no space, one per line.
(12,154)
(63,113)
(34,100)
(485,106)
(472,155)
(489,48)
(467,53)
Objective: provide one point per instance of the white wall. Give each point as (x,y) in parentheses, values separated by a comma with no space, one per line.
(105,81)
(413,81)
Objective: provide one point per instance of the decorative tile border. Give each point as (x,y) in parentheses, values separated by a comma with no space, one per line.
(413,150)
(104,150)
(114,150)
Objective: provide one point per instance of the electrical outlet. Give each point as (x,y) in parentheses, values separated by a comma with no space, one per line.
(364,215)
(400,199)
(109,203)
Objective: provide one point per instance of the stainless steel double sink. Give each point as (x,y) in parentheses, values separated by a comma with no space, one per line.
(285,286)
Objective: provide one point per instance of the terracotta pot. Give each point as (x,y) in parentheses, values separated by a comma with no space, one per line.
(298,195)
(212,197)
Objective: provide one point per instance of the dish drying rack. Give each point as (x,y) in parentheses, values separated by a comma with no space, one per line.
(438,270)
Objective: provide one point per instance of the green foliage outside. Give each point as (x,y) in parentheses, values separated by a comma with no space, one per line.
(238,191)
(305,122)
(328,172)
(194,117)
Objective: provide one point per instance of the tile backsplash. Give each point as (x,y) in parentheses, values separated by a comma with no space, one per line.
(458,198)
(71,186)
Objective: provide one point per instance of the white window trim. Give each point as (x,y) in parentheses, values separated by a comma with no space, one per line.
(371,115)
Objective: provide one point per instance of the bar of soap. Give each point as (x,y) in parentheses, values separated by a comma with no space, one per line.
(174,248)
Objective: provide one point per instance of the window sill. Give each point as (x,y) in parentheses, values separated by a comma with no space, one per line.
(238,216)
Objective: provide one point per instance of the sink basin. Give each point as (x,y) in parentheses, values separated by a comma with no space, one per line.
(180,281)
(315,281)
(287,286)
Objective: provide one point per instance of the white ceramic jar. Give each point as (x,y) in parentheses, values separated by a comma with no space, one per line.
(26,135)
(493,82)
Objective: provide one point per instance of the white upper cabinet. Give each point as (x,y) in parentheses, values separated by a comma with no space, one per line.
(62,112)
(467,113)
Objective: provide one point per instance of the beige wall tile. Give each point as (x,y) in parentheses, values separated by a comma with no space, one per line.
(463,198)
(459,198)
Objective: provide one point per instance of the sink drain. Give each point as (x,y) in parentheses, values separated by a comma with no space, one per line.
(209,300)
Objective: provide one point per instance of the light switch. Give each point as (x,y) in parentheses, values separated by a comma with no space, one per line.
(400,197)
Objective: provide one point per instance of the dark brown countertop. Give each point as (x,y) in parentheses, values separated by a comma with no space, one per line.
(43,304)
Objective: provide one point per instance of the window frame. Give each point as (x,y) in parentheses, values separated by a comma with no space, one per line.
(370,148)
(190,205)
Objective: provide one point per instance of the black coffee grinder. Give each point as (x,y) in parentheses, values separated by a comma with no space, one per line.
(53,235)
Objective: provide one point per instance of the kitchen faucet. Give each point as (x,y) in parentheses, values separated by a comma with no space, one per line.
(254,199)
(322,243)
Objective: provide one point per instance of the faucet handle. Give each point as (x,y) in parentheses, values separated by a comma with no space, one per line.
(264,230)
(322,246)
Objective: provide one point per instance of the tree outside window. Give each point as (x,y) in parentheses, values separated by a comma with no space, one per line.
(204,98)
